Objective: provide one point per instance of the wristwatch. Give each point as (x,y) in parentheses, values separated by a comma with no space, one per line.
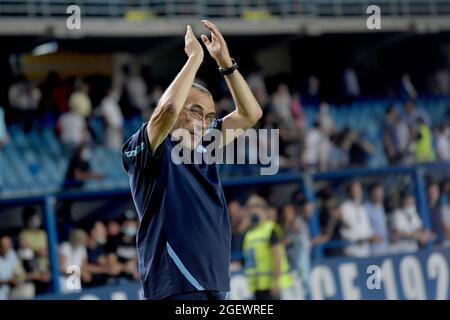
(229,70)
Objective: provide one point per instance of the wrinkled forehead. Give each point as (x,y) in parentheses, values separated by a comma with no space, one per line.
(202,99)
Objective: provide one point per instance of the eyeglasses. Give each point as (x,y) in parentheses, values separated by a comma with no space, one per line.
(198,115)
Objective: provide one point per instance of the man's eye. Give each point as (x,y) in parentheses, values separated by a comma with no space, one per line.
(197,113)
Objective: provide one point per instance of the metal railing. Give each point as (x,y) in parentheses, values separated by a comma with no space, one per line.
(247,9)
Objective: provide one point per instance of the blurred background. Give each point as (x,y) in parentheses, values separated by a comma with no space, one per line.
(364,120)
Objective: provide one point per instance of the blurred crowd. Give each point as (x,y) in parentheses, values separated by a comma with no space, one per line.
(406,131)
(73,105)
(355,220)
(360,221)
(95,253)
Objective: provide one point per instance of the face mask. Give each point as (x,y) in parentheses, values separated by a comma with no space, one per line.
(410,210)
(129,231)
(101,240)
(358,201)
(76,244)
(115,96)
(254,218)
(35,222)
(25,254)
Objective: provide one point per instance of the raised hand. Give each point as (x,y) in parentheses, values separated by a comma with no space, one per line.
(217,47)
(192,46)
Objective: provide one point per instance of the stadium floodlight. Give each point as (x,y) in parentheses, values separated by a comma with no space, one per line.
(46,48)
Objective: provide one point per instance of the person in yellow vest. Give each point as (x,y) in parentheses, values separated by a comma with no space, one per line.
(266,264)
(424,142)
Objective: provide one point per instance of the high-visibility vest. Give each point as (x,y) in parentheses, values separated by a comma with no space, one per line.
(424,147)
(259,262)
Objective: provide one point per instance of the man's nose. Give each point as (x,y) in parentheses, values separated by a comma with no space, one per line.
(199,126)
(204,124)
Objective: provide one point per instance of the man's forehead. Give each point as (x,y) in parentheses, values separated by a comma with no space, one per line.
(202,99)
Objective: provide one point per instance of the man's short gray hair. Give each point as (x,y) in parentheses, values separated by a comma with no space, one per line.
(201,88)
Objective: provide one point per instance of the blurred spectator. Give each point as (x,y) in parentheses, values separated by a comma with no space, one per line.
(404,140)
(338,157)
(4,137)
(407,227)
(272,214)
(111,113)
(313,90)
(37,280)
(358,148)
(443,142)
(78,172)
(441,81)
(112,233)
(446,118)
(23,99)
(435,211)
(378,222)
(257,84)
(291,233)
(34,237)
(356,229)
(424,142)
(281,103)
(79,101)
(446,219)
(266,263)
(73,130)
(73,261)
(306,242)
(12,275)
(137,90)
(121,247)
(79,169)
(326,121)
(317,148)
(407,89)
(97,241)
(296,238)
(298,113)
(55,95)
(97,263)
(239,224)
(414,115)
(350,83)
(33,250)
(129,96)
(330,218)
(393,141)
